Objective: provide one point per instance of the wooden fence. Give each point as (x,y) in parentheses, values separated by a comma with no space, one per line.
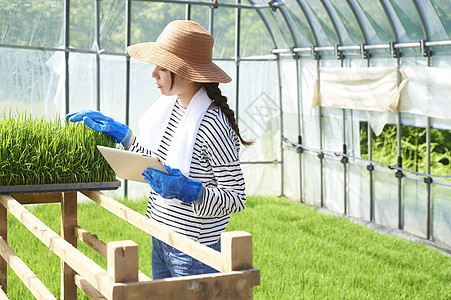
(122,279)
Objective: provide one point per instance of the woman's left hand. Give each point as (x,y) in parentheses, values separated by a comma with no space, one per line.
(95,120)
(174,185)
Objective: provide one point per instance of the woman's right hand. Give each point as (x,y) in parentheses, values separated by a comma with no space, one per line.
(120,133)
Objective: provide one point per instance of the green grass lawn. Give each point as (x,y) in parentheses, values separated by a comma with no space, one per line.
(301,253)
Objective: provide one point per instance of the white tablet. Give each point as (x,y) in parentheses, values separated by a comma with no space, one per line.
(130,165)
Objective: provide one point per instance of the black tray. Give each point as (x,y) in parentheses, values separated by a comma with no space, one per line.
(59,187)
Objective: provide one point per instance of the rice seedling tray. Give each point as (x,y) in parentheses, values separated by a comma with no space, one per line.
(59,187)
(42,155)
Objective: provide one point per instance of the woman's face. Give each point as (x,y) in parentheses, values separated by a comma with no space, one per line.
(164,81)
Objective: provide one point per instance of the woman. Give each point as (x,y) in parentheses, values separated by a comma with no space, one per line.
(194,132)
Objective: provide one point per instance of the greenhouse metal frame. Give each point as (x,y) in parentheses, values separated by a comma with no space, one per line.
(305,37)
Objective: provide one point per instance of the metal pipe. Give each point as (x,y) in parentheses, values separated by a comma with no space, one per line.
(335,154)
(345,48)
(66,56)
(422,19)
(390,19)
(428,180)
(328,9)
(324,48)
(261,58)
(279,88)
(399,173)
(290,26)
(407,45)
(67,49)
(321,157)
(365,47)
(376,47)
(237,55)
(280,51)
(272,162)
(274,51)
(299,113)
(294,50)
(438,43)
(321,154)
(353,7)
(370,168)
(97,47)
(128,9)
(39,47)
(188,12)
(344,160)
(309,22)
(212,4)
(211,20)
(268,28)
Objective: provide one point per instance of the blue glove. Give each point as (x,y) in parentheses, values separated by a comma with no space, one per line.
(174,185)
(95,120)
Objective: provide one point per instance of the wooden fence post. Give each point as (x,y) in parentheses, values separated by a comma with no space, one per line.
(68,223)
(122,261)
(236,248)
(3,234)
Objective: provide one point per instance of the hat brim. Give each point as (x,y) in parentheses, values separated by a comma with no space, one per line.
(198,72)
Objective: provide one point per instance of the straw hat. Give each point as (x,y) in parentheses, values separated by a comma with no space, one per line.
(184,48)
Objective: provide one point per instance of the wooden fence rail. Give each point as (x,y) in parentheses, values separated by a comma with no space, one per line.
(122,279)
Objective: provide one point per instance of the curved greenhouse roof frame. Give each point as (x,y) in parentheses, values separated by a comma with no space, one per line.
(397,31)
(431,36)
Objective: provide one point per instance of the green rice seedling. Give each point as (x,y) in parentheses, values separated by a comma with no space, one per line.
(41,151)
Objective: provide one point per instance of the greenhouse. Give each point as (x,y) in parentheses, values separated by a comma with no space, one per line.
(347,102)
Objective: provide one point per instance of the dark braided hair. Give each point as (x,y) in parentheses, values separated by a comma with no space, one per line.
(215,94)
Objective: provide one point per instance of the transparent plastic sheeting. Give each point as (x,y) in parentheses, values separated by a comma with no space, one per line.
(414,195)
(333,181)
(32,22)
(27,83)
(291,174)
(83,86)
(259,121)
(358,191)
(440,211)
(258,113)
(311,179)
(385,199)
(385,183)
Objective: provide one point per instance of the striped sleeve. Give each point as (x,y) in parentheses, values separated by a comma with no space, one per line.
(227,192)
(136,146)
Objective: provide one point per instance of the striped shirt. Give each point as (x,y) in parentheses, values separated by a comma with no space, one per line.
(215,163)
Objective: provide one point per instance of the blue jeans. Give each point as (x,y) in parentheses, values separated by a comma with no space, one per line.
(170,262)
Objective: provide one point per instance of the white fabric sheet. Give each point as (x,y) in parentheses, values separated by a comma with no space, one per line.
(428,92)
(379,91)
(373,89)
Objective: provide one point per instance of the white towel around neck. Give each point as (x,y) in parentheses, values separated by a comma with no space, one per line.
(153,124)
